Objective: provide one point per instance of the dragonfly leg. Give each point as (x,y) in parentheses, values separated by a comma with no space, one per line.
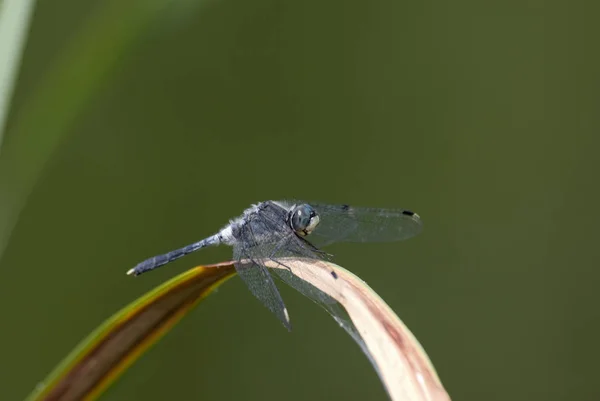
(314,248)
(281,243)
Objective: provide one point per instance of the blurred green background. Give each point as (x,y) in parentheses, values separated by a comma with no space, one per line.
(142,126)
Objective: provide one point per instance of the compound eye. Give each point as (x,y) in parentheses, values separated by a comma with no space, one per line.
(304,219)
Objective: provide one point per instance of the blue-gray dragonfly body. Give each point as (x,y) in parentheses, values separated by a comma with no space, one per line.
(273,230)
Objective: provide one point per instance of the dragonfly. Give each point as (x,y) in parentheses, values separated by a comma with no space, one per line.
(272,231)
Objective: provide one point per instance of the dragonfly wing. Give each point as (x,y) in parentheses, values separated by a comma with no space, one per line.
(256,240)
(260,283)
(343,223)
(332,306)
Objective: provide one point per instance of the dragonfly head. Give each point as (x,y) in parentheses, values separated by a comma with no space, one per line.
(303,219)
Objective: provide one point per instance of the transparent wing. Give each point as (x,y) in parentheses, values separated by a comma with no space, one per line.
(247,252)
(338,313)
(294,246)
(261,285)
(343,223)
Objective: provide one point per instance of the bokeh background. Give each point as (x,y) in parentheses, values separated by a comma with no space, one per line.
(141,126)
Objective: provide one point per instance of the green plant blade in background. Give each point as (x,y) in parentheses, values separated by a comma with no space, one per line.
(15,16)
(72,79)
(398,358)
(101,358)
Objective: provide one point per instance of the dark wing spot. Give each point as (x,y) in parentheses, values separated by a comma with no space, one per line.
(408,213)
(345,207)
(334,275)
